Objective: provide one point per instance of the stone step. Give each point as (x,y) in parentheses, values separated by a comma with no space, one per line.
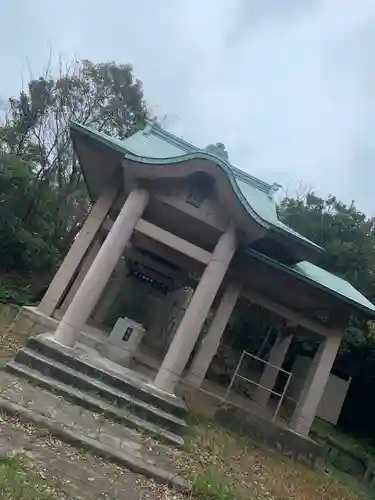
(124,381)
(99,389)
(95,404)
(81,427)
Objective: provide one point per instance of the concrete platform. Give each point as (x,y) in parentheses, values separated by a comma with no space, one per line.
(276,434)
(33,322)
(140,405)
(93,431)
(83,376)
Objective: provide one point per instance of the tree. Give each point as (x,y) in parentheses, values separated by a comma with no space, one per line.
(104,96)
(43,199)
(347,235)
(23,245)
(26,254)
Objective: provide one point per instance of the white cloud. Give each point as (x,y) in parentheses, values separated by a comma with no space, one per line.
(287,86)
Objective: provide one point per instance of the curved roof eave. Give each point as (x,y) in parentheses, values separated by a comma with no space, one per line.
(215,162)
(117,145)
(201,155)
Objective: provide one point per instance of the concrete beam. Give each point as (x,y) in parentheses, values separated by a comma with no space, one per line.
(171,240)
(288,314)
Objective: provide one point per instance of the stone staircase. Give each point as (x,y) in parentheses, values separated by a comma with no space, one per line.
(87,379)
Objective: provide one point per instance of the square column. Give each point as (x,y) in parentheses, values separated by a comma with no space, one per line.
(99,273)
(211,341)
(270,373)
(187,333)
(315,384)
(77,251)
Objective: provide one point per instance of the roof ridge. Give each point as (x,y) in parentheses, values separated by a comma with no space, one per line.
(264,213)
(264,186)
(154,128)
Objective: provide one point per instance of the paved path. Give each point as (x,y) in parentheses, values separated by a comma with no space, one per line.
(73,473)
(79,473)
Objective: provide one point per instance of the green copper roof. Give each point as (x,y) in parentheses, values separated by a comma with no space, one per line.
(333,282)
(154,142)
(319,278)
(154,145)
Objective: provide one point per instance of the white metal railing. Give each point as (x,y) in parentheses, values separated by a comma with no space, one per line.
(237,375)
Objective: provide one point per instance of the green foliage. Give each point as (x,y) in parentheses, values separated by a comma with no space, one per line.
(346,233)
(18,295)
(43,200)
(24,244)
(349,239)
(17,483)
(104,96)
(209,485)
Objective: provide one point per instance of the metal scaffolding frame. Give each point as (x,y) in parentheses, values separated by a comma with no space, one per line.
(236,375)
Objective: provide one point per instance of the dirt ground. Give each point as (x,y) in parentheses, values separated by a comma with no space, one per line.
(212,456)
(71,473)
(223,466)
(255,471)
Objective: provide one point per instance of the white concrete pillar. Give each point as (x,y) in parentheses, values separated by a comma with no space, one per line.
(77,251)
(315,384)
(86,264)
(181,301)
(270,373)
(99,273)
(211,341)
(187,333)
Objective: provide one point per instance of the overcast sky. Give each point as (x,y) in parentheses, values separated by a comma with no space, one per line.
(287,85)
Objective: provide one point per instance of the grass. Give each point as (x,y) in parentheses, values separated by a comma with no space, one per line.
(226,466)
(208,485)
(220,464)
(19,483)
(361,489)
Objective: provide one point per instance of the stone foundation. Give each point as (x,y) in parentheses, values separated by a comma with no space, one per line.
(24,322)
(276,435)
(86,378)
(17,324)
